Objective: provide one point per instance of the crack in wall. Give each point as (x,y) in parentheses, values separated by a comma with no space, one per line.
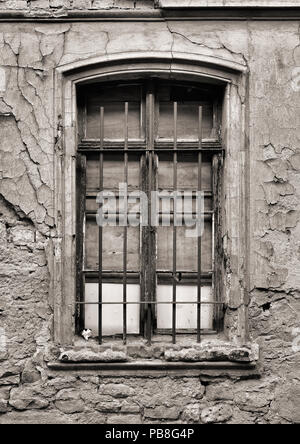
(204,45)
(31,94)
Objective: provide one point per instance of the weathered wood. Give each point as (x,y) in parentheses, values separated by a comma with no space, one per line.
(218,258)
(199,258)
(177,170)
(80,216)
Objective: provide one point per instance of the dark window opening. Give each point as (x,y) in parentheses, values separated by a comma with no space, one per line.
(147,280)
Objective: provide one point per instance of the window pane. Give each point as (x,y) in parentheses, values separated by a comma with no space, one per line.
(112,247)
(187,252)
(188,98)
(188,121)
(113,100)
(112,318)
(113,172)
(91,244)
(187,172)
(186,204)
(186,314)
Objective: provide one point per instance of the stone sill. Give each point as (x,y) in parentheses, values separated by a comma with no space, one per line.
(212,358)
(155,365)
(211,354)
(160,369)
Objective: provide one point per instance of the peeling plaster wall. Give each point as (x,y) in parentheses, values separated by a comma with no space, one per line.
(29,392)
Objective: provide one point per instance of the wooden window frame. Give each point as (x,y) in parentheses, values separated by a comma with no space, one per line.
(151,147)
(235,234)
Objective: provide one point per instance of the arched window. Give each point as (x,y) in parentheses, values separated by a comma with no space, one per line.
(150,158)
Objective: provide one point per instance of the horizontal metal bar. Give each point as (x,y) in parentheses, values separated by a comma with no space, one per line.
(93,193)
(149,302)
(207,214)
(155,150)
(113,142)
(204,273)
(112,150)
(180,331)
(141,146)
(136,143)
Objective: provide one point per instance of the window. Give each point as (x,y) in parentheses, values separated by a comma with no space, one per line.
(149,279)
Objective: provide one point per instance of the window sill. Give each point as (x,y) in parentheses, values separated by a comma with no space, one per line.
(210,355)
(156,366)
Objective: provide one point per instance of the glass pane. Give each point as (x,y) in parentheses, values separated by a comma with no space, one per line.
(113,100)
(112,247)
(187,251)
(91,244)
(112,318)
(187,172)
(186,314)
(187,205)
(189,98)
(113,172)
(188,121)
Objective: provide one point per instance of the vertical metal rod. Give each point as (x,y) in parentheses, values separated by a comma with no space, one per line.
(100,298)
(199,282)
(150,291)
(214,267)
(175,159)
(125,227)
(141,114)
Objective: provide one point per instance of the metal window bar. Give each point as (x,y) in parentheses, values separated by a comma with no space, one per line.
(125,228)
(149,302)
(150,148)
(199,311)
(80,222)
(174,307)
(100,251)
(180,149)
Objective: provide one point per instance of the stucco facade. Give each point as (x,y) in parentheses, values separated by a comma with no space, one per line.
(47,45)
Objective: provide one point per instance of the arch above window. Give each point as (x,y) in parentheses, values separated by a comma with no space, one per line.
(167,63)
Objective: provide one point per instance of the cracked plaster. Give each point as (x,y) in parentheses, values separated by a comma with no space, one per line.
(28,56)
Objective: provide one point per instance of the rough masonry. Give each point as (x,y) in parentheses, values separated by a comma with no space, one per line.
(29,53)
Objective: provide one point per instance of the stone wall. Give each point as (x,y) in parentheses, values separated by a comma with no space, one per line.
(29,391)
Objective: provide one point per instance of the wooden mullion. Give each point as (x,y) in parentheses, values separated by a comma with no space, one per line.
(175,161)
(80,217)
(100,240)
(125,242)
(143,251)
(149,232)
(218,274)
(199,282)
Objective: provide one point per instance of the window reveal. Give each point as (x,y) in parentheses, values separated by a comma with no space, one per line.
(153,136)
